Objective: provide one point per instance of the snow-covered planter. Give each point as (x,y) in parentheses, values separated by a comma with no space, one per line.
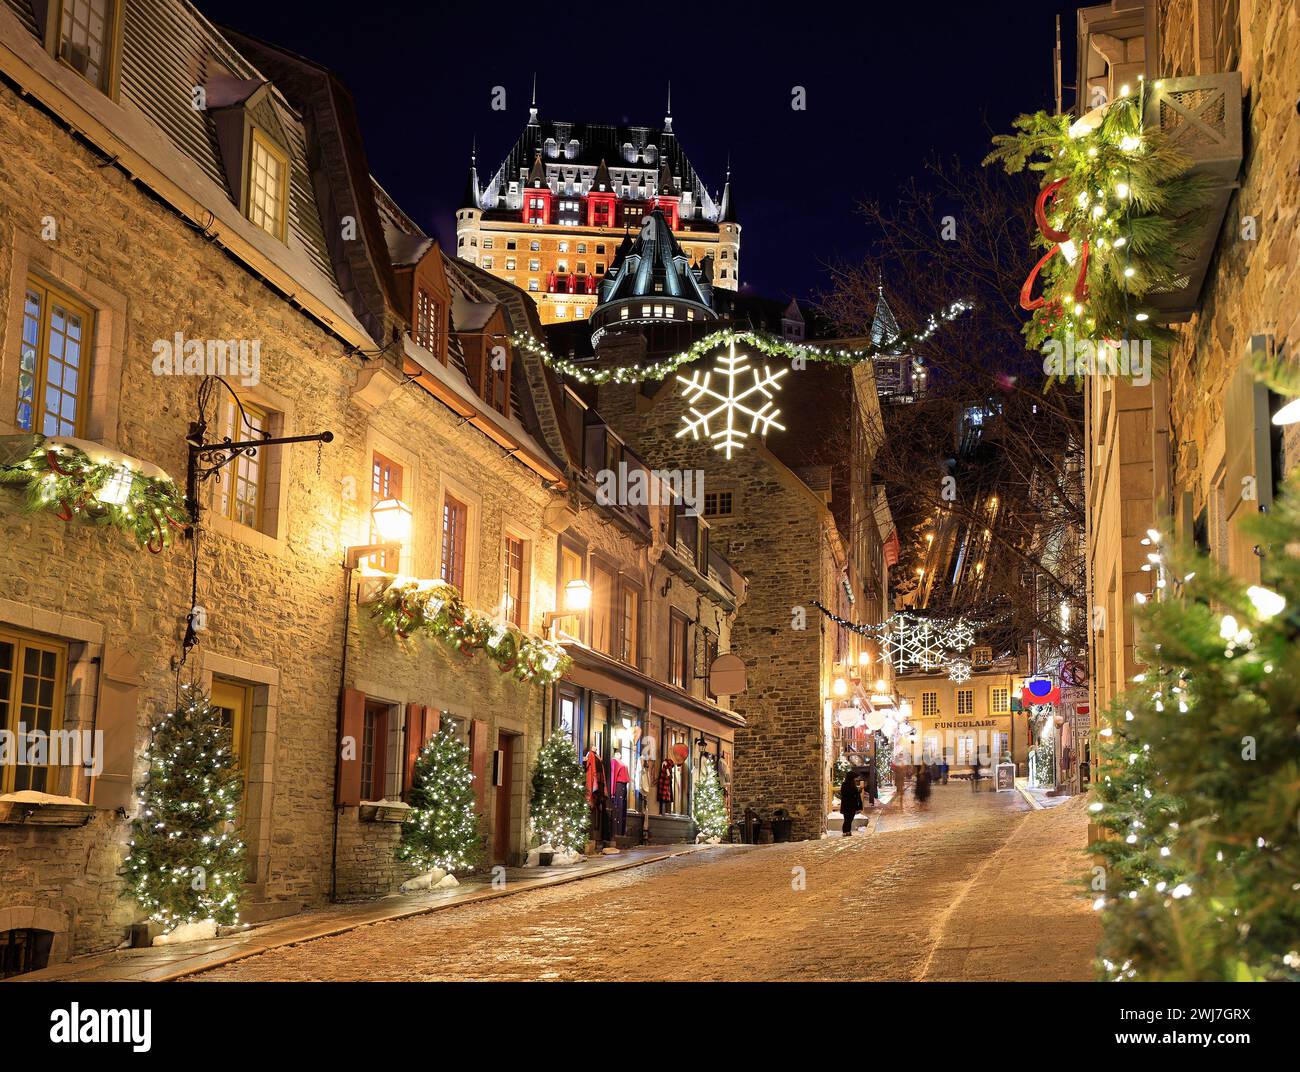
(383,811)
(28,807)
(558,859)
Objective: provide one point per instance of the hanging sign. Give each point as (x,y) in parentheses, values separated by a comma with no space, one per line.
(727,675)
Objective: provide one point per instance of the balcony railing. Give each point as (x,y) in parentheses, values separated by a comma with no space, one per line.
(1201,117)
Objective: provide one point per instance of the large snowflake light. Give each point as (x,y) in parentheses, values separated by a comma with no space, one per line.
(732,403)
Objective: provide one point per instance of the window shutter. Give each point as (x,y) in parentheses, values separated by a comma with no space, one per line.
(348,787)
(421,724)
(117,717)
(478,760)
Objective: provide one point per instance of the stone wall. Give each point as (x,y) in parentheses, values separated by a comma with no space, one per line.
(274,602)
(1252,287)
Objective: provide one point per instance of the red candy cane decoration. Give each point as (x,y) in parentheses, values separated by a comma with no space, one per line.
(1028,302)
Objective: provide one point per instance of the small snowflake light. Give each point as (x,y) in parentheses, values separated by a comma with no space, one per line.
(959,670)
(719,423)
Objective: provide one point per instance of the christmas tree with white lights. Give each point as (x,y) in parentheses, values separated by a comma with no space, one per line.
(1201,764)
(558,807)
(186,860)
(442,830)
(710,806)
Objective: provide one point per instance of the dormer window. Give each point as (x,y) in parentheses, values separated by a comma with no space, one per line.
(83,34)
(268,184)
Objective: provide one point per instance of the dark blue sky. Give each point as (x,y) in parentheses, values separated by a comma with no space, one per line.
(887,86)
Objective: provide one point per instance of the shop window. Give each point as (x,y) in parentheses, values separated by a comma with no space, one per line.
(514,593)
(86,38)
(567,721)
(32,677)
(455,519)
(678,654)
(23,950)
(385,483)
(242,484)
(54,361)
(965,701)
(374,751)
(678,751)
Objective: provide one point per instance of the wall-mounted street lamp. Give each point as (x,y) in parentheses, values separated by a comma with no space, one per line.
(391,519)
(839,686)
(575,599)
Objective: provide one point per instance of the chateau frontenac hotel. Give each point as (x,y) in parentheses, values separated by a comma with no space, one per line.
(551,218)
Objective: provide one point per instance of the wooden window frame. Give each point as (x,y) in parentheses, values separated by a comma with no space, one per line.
(374,736)
(604,609)
(1004,692)
(259,137)
(516,614)
(51,294)
(957,701)
(231,471)
(629,640)
(22,643)
(112,67)
(927,698)
(384,560)
(430,330)
(240,695)
(579,618)
(679,651)
(451,563)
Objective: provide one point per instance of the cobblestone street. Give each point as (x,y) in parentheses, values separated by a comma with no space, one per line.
(975,886)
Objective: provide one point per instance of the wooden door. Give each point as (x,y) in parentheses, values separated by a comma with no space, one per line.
(504,798)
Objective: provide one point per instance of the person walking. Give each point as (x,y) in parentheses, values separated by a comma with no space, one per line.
(975,773)
(921,790)
(850,801)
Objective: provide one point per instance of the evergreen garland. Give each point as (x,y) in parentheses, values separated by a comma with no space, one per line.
(558,806)
(442,829)
(61,477)
(763,342)
(710,806)
(186,859)
(1203,882)
(1119,200)
(436,608)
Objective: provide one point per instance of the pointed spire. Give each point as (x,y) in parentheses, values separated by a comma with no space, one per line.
(470,199)
(884,326)
(602,182)
(668,118)
(532,107)
(727,212)
(666,187)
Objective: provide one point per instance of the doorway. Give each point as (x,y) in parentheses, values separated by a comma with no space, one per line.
(505,791)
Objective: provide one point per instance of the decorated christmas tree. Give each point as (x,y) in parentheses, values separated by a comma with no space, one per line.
(442,830)
(710,806)
(558,808)
(186,860)
(1201,774)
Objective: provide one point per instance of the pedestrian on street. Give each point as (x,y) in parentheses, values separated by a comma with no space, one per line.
(921,791)
(850,801)
(869,782)
(943,770)
(975,774)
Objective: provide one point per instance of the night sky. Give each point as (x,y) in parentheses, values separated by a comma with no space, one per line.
(887,86)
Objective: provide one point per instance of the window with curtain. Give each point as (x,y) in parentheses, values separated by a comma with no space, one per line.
(602,609)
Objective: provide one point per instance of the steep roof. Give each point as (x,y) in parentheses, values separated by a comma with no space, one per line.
(884,327)
(596,143)
(654,265)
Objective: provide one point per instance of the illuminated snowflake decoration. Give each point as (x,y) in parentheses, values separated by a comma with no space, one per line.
(959,670)
(726,408)
(911,641)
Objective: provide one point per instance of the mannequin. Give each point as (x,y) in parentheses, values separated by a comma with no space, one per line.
(619,781)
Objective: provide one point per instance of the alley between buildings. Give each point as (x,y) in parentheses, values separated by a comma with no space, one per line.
(974,887)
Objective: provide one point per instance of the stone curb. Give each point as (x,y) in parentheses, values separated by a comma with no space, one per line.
(1033,801)
(473,898)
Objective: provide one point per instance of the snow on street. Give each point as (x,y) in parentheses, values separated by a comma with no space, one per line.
(975,886)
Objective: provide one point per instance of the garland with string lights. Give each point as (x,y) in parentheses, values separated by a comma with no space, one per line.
(1201,772)
(763,342)
(1116,213)
(186,859)
(109,489)
(405,607)
(441,831)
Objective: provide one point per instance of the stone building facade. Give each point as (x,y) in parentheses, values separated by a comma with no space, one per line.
(129,215)
(1195,449)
